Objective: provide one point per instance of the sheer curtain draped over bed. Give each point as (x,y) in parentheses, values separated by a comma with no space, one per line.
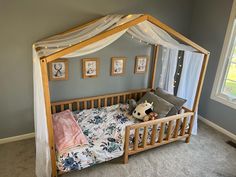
(144,31)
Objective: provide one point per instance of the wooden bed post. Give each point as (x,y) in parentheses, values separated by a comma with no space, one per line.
(44,72)
(155,59)
(198,93)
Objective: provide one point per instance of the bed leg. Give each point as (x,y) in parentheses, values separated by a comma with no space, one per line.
(187,140)
(126,158)
(126,145)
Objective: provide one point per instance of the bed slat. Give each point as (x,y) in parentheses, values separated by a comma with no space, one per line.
(161,133)
(169,130)
(154,132)
(54,109)
(145,135)
(70,107)
(62,107)
(136,137)
(176,128)
(99,102)
(78,105)
(183,126)
(92,103)
(85,104)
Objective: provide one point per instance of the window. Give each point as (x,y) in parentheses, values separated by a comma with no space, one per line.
(224,89)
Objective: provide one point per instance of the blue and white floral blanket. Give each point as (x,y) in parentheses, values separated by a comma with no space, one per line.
(104,129)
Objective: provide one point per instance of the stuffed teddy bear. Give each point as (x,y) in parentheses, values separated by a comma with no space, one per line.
(132,105)
(142,111)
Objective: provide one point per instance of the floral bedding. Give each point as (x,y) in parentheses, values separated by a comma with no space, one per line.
(104,129)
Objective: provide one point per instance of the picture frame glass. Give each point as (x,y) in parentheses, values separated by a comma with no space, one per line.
(58,70)
(90,68)
(141,64)
(118,66)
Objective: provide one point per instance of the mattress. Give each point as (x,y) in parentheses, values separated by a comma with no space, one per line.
(104,129)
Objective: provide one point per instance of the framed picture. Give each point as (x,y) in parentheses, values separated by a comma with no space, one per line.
(141,64)
(58,69)
(90,67)
(118,65)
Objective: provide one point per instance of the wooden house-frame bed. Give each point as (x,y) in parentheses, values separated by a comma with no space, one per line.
(114,98)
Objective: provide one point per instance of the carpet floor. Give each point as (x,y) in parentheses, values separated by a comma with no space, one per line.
(207,155)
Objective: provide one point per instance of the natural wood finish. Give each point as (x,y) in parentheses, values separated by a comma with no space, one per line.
(84,69)
(118,99)
(92,103)
(169,130)
(183,126)
(126,146)
(99,103)
(145,136)
(96,38)
(54,109)
(65,61)
(161,133)
(176,34)
(85,104)
(62,107)
(70,107)
(154,132)
(136,138)
(155,59)
(44,71)
(99,98)
(113,59)
(190,129)
(176,131)
(131,152)
(78,105)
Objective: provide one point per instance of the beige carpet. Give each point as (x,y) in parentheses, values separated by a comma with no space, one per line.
(207,155)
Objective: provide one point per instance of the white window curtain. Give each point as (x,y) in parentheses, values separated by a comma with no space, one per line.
(189,80)
(169,64)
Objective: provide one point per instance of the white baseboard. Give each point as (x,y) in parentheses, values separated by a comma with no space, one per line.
(16,138)
(217,127)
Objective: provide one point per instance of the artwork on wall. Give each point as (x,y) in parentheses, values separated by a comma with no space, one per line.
(90,67)
(141,63)
(118,65)
(58,69)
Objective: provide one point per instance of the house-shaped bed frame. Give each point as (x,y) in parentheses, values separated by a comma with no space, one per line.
(98,101)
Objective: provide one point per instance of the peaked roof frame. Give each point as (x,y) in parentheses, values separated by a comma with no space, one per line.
(117,29)
(46,59)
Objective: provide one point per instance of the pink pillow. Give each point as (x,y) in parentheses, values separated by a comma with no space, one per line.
(67,132)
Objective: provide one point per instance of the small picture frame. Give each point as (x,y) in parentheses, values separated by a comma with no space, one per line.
(118,66)
(90,67)
(58,69)
(141,64)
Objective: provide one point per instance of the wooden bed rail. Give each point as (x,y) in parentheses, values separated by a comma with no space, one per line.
(172,128)
(97,101)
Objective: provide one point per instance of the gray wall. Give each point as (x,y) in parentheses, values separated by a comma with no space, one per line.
(208,28)
(77,87)
(24,22)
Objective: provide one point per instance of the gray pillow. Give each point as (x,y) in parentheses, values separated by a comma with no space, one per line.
(160,106)
(176,101)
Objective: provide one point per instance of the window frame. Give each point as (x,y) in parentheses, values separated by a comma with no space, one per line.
(223,65)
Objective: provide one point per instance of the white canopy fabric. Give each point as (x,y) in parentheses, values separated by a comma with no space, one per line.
(144,31)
